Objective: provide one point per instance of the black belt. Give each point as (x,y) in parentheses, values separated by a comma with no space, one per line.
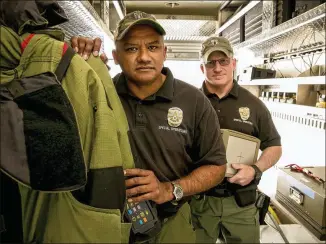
(227,189)
(168,209)
(221,190)
(219,193)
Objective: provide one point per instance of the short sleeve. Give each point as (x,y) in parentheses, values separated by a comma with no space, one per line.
(268,134)
(208,148)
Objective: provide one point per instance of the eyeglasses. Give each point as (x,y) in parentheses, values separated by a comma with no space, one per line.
(222,62)
(307,172)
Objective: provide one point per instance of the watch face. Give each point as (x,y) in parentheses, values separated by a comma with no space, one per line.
(177,192)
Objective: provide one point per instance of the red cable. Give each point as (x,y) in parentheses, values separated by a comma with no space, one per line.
(297,168)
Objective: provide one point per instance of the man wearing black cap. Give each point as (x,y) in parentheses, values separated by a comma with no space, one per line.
(175,134)
(228,211)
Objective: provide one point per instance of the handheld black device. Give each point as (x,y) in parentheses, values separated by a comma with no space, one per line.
(141,215)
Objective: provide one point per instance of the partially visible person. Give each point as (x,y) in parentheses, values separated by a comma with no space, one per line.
(30,47)
(228,211)
(175,134)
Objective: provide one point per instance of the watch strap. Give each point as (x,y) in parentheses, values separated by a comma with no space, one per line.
(258,172)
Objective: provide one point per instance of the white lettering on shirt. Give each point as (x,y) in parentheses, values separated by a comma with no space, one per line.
(243,121)
(161,127)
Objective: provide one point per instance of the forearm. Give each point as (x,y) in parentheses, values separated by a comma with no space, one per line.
(202,179)
(269,157)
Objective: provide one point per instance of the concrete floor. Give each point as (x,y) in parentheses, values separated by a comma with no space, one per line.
(295,233)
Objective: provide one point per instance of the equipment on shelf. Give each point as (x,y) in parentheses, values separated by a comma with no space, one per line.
(321,103)
(252,73)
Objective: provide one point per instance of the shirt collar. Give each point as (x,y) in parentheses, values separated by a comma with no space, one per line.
(166,91)
(120,83)
(234,91)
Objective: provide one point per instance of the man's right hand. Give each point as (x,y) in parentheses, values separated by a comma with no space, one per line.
(244,175)
(143,185)
(85,46)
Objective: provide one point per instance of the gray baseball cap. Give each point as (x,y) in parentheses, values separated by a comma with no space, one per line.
(216,43)
(136,18)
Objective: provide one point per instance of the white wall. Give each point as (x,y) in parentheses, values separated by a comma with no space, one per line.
(188,71)
(302,145)
(114,69)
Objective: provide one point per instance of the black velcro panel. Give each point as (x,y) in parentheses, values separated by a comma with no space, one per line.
(52,140)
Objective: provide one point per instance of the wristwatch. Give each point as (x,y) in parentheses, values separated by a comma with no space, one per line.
(177,192)
(258,172)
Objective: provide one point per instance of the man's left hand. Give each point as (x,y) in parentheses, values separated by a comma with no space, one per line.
(244,175)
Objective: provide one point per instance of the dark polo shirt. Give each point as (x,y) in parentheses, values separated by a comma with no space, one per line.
(241,111)
(172,131)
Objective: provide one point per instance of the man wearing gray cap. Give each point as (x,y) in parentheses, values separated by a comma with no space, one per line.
(228,210)
(176,154)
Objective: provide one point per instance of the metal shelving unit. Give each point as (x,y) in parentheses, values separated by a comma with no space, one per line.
(310,80)
(85,21)
(302,34)
(283,36)
(253,21)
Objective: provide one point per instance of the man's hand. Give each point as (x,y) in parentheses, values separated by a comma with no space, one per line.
(143,185)
(244,175)
(85,46)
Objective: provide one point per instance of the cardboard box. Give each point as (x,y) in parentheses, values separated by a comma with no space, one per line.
(240,148)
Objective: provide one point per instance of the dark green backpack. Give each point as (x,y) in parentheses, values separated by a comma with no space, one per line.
(40,144)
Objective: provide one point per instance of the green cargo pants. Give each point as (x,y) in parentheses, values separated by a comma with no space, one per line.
(176,229)
(222,218)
